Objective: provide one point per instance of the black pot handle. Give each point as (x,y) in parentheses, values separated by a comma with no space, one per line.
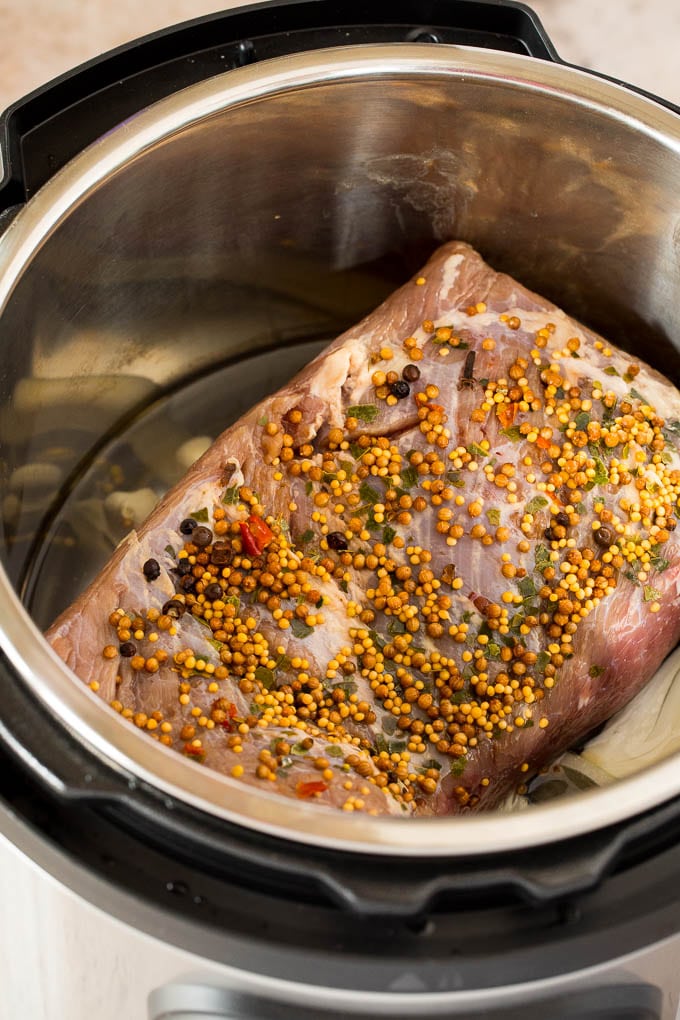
(42,132)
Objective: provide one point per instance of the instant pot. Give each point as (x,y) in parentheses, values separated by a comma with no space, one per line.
(184,222)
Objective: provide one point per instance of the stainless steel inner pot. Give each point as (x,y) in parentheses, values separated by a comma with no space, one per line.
(278,203)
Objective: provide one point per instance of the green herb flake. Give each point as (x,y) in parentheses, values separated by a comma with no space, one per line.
(458,766)
(454,478)
(513,433)
(231,495)
(306,537)
(409,477)
(494,516)
(309,488)
(388,534)
(542,558)
(300,629)
(535,504)
(396,626)
(200,515)
(377,640)
(263,420)
(636,395)
(333,751)
(527,588)
(477,451)
(348,686)
(610,370)
(596,671)
(170,551)
(363,412)
(582,420)
(343,586)
(608,414)
(396,746)
(298,749)
(265,677)
(542,660)
(651,594)
(659,563)
(368,494)
(601,473)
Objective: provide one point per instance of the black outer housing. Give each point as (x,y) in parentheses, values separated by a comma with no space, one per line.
(42,132)
(560,897)
(496,919)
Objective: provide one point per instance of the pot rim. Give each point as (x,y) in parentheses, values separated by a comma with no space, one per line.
(95,724)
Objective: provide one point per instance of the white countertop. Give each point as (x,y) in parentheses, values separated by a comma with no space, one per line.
(634,40)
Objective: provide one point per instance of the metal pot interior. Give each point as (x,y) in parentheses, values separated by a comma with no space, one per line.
(229,231)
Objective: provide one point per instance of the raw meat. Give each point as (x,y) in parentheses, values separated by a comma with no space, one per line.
(439,557)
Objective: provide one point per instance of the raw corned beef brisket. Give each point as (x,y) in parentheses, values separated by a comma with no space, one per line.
(440,556)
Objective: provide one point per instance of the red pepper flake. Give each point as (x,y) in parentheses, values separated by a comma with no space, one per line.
(255,535)
(506,414)
(226,723)
(197,753)
(310,788)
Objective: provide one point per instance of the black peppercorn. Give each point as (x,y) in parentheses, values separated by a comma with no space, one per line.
(127,649)
(411,373)
(562,518)
(187,525)
(336,540)
(174,608)
(548,533)
(183,567)
(213,591)
(604,536)
(187,583)
(400,389)
(201,536)
(151,570)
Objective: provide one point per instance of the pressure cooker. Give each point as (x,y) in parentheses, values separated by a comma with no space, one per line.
(185,221)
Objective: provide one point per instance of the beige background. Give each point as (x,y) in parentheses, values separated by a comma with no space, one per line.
(635,40)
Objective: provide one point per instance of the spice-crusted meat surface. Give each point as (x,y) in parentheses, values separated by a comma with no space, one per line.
(435,560)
